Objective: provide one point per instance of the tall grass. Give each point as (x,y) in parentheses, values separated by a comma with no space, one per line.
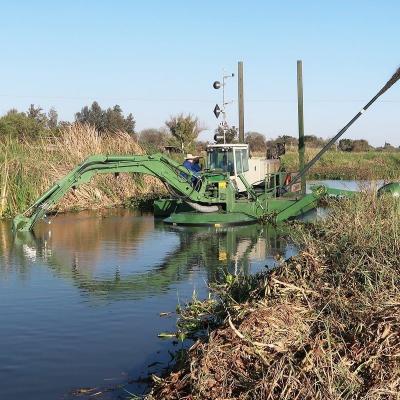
(349,165)
(324,325)
(28,168)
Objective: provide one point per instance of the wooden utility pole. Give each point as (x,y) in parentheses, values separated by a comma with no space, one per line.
(300,112)
(240,102)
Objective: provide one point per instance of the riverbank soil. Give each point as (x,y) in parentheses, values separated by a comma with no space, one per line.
(323,325)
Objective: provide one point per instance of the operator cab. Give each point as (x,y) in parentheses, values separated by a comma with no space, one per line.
(235,159)
(231,158)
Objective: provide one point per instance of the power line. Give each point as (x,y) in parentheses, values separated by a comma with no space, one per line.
(185,100)
(144,99)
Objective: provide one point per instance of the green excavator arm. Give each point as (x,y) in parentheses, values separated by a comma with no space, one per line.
(212,197)
(174,175)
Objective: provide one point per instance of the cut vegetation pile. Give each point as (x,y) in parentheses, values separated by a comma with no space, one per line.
(323,325)
(28,168)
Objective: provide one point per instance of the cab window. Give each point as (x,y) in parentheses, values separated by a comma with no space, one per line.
(242,161)
(221,158)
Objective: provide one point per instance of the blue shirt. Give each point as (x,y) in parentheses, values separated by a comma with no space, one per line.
(193,167)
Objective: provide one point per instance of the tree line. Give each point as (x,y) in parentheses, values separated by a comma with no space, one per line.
(257,142)
(179,134)
(35,122)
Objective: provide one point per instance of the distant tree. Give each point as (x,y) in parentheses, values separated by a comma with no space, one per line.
(153,139)
(289,141)
(286,140)
(52,119)
(30,124)
(200,146)
(64,124)
(314,141)
(93,116)
(360,145)
(110,120)
(354,145)
(231,133)
(346,145)
(115,120)
(389,147)
(19,125)
(184,130)
(37,114)
(256,142)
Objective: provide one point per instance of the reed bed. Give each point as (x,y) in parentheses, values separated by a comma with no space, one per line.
(28,168)
(323,325)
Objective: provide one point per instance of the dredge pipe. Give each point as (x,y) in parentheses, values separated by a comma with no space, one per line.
(201,208)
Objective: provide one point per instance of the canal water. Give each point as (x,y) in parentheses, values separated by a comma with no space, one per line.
(80,301)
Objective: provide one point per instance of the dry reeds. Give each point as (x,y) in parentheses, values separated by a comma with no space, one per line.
(33,166)
(324,325)
(4,183)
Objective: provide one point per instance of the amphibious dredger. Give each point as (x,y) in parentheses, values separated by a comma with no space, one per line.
(232,189)
(213,200)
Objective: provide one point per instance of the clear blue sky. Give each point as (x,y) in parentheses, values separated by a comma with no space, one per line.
(157,58)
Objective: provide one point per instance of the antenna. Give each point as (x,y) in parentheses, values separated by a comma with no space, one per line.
(222,110)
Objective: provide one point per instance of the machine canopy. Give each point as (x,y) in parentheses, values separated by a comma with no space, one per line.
(229,159)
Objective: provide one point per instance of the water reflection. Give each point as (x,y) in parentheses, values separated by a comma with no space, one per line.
(130,256)
(80,300)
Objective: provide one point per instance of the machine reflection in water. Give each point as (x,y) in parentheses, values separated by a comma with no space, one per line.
(84,253)
(80,300)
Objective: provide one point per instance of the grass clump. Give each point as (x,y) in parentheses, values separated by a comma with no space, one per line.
(323,325)
(29,167)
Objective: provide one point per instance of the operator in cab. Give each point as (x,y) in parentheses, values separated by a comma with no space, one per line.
(192,163)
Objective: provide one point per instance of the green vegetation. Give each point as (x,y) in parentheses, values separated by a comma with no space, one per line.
(313,142)
(35,123)
(323,325)
(29,167)
(230,133)
(106,121)
(153,140)
(31,124)
(179,134)
(349,165)
(36,150)
(256,142)
(184,130)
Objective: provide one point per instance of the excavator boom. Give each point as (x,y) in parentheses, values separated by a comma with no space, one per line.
(174,175)
(211,196)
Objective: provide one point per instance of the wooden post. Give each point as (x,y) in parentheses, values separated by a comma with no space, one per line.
(300,112)
(240,102)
